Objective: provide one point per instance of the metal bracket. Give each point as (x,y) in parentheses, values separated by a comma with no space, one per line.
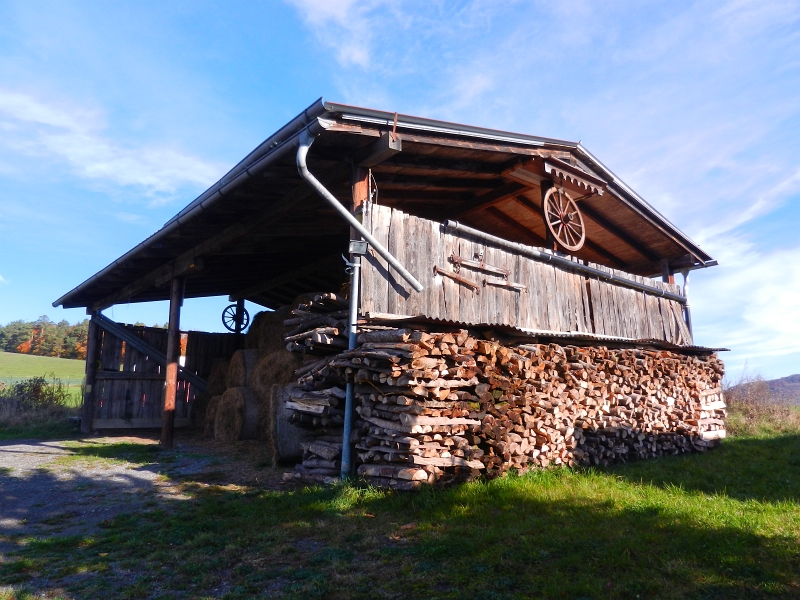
(477,263)
(475,287)
(349,268)
(509,285)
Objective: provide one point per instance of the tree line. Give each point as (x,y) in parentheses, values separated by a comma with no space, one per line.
(44,337)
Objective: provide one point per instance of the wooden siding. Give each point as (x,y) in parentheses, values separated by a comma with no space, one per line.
(556,298)
(129,385)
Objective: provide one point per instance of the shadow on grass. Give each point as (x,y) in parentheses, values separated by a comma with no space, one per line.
(132,452)
(554,534)
(51,430)
(766,469)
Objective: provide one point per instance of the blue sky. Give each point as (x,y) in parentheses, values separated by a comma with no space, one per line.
(113,116)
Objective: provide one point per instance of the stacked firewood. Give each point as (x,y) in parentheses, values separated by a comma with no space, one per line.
(442,407)
(319,326)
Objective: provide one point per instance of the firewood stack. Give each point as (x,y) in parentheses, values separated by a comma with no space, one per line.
(444,407)
(320,326)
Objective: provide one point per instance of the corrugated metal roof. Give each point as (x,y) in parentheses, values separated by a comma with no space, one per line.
(401,320)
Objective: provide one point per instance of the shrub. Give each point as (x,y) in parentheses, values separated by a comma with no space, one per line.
(32,401)
(754,408)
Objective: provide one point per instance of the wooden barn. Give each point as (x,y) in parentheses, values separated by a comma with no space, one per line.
(455,299)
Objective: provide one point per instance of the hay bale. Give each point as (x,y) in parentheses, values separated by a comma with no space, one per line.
(252,335)
(237,415)
(198,408)
(271,330)
(267,330)
(281,437)
(218,379)
(274,368)
(242,364)
(211,415)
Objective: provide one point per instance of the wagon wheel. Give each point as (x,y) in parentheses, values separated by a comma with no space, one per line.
(229,318)
(564,220)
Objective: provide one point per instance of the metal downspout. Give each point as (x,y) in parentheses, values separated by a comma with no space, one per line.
(687,311)
(349,402)
(306,139)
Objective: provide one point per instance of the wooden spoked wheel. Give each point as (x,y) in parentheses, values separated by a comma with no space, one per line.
(229,318)
(564,220)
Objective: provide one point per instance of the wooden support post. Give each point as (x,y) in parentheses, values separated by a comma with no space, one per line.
(173,353)
(92,355)
(667,276)
(239,314)
(360,196)
(550,242)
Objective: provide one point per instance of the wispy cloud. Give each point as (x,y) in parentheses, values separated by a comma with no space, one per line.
(692,104)
(2,280)
(750,305)
(76,136)
(347,26)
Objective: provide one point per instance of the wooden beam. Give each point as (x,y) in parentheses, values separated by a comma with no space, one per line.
(516,226)
(92,351)
(327,262)
(173,353)
(589,244)
(488,199)
(215,243)
(378,151)
(618,233)
(359,195)
(442,167)
(399,181)
(181,269)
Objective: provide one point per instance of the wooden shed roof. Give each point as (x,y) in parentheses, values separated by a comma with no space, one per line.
(261,232)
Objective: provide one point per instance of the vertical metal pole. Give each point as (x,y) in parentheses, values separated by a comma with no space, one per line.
(355,273)
(92,352)
(173,352)
(686,310)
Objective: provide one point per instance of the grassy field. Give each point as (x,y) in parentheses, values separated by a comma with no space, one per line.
(22,366)
(725,524)
(16,367)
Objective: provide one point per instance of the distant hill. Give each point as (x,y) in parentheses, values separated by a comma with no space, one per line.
(786,387)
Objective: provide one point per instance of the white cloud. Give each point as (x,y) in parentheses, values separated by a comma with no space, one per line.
(3,280)
(75,135)
(691,104)
(750,305)
(344,25)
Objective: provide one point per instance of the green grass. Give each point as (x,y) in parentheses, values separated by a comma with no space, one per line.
(16,367)
(724,524)
(23,366)
(46,430)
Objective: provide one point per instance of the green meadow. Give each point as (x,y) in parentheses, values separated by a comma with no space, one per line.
(724,524)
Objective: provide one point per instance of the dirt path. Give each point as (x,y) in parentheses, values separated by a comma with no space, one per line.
(69,487)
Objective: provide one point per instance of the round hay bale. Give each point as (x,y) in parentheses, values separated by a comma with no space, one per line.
(211,415)
(267,330)
(271,330)
(198,408)
(253,331)
(237,415)
(242,364)
(282,437)
(274,368)
(218,379)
